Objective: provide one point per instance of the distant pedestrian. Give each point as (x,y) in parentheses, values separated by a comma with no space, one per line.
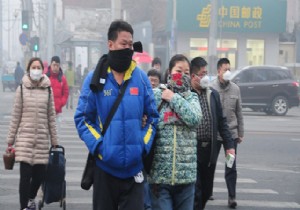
(78,76)
(154,77)
(70,76)
(232,109)
(45,63)
(156,63)
(85,73)
(19,73)
(32,128)
(60,87)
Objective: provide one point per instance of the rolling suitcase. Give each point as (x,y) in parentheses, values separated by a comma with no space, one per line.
(54,186)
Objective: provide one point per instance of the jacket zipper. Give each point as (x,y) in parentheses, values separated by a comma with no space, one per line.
(174,155)
(36,118)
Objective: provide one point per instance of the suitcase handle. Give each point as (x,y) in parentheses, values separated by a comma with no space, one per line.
(57,148)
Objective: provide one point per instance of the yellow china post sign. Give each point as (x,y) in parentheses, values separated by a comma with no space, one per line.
(233,15)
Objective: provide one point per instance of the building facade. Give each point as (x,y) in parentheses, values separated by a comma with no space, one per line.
(247,32)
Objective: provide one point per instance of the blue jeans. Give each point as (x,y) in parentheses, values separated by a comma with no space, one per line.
(168,197)
(147,198)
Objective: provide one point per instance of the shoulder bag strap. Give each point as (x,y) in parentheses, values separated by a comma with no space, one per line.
(114,107)
(21,87)
(162,103)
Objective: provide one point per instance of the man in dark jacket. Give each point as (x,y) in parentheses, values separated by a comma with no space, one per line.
(207,132)
(19,73)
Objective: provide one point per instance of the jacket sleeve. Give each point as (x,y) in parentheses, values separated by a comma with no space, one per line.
(16,117)
(86,117)
(222,123)
(239,115)
(52,119)
(150,110)
(65,91)
(188,109)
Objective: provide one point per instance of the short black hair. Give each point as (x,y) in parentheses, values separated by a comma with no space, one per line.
(222,61)
(156,60)
(116,27)
(56,59)
(196,64)
(154,73)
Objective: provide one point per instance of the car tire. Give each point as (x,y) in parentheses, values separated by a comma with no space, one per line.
(280,106)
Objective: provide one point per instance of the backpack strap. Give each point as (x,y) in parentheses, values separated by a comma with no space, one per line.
(162,103)
(21,87)
(49,91)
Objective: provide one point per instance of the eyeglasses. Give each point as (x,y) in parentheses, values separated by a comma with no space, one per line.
(202,74)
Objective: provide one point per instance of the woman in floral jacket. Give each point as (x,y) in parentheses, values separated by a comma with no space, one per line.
(31,130)
(173,174)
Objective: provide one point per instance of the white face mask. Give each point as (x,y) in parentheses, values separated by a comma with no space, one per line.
(35,74)
(226,75)
(204,82)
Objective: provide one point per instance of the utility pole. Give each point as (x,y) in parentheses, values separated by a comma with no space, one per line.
(115,9)
(173,37)
(50,29)
(27,6)
(8,31)
(1,37)
(212,39)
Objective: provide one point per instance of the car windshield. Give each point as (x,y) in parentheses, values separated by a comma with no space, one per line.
(234,73)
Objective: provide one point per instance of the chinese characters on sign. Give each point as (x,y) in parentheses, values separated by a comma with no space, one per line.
(233,17)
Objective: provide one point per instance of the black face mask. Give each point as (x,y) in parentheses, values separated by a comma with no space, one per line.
(120,60)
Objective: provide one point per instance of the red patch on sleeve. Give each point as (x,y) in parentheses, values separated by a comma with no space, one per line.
(134,91)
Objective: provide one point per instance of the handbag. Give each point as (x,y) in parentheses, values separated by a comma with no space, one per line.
(9,160)
(88,173)
(87,179)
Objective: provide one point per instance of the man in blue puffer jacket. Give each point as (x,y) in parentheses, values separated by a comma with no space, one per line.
(118,179)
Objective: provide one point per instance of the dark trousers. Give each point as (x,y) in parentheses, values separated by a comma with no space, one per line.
(231,175)
(70,98)
(111,193)
(205,177)
(147,196)
(31,178)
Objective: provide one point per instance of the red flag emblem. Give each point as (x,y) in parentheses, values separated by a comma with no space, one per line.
(134,91)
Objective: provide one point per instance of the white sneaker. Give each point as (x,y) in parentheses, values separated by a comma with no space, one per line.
(31,205)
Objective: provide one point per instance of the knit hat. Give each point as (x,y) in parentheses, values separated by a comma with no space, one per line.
(56,59)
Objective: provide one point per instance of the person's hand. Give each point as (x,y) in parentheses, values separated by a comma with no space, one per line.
(230,151)
(239,140)
(144,120)
(167,95)
(10,149)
